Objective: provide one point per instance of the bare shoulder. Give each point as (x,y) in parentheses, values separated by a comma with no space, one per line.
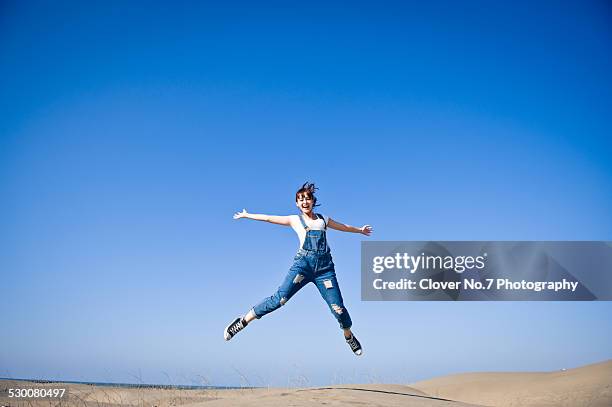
(330,222)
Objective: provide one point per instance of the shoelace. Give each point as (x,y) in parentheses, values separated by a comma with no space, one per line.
(353,343)
(237,327)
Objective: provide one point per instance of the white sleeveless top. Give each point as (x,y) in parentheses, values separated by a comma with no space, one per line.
(316,224)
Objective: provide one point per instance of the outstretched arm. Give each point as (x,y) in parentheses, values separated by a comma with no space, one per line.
(364,230)
(278,220)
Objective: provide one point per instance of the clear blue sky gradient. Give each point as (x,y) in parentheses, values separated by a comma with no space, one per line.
(130,133)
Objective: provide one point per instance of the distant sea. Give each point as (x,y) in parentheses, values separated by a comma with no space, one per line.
(134,385)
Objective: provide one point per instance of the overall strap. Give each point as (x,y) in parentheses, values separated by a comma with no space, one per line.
(303,223)
(323,219)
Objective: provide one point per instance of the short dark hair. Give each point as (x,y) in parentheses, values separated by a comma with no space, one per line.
(308,188)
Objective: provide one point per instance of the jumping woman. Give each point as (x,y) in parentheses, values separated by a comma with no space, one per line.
(312,264)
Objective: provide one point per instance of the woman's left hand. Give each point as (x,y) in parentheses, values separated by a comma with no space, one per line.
(366,230)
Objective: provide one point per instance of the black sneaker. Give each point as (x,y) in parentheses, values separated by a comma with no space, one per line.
(232,329)
(355,345)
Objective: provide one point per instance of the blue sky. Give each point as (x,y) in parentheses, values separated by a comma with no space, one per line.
(131,133)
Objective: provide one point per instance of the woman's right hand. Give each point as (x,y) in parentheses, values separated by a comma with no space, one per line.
(240,215)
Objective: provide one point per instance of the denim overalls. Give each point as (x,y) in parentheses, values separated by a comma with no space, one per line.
(312,263)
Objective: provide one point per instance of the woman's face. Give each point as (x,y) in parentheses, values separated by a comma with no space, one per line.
(305,203)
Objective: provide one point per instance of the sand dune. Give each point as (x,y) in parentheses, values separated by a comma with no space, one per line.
(589,385)
(345,395)
(585,386)
(348,395)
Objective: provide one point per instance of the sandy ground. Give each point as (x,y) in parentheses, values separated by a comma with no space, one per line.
(345,395)
(585,386)
(589,385)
